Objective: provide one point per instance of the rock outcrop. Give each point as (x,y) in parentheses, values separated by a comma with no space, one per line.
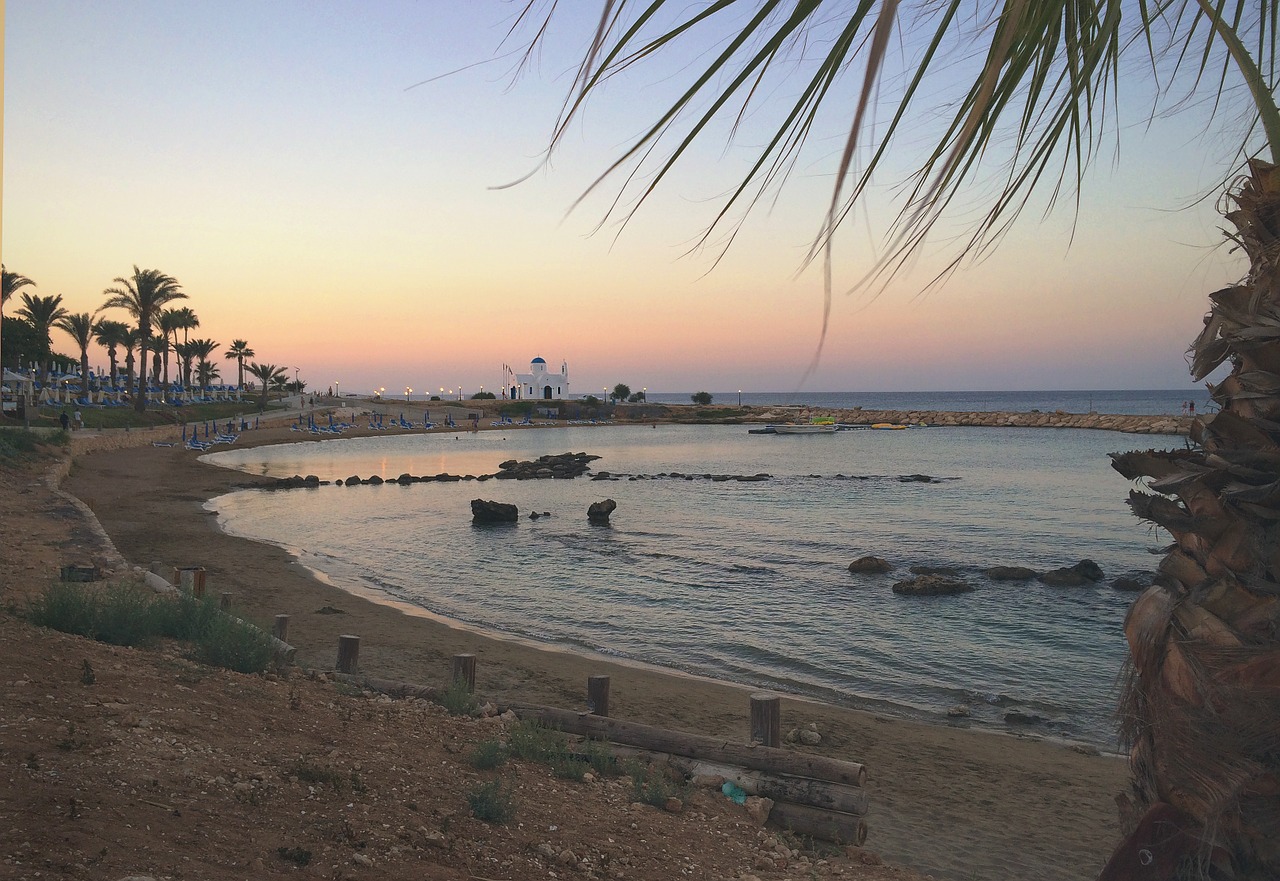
(483,511)
(870,565)
(931,586)
(599,512)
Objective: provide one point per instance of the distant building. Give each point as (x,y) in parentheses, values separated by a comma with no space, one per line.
(538,384)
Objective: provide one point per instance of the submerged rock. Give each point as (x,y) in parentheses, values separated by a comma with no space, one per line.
(932,585)
(948,571)
(1009,573)
(870,565)
(1082,573)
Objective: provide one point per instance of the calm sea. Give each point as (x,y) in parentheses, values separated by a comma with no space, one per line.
(748,582)
(1133,403)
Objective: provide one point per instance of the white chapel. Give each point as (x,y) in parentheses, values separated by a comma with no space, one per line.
(538,384)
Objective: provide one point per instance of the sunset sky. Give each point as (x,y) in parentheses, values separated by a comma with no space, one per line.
(272,158)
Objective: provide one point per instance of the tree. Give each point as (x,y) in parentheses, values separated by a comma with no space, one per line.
(239,350)
(1201,707)
(701,398)
(10,283)
(206,373)
(142,295)
(620,392)
(268,375)
(42,312)
(637,398)
(19,341)
(130,343)
(79,326)
(111,334)
(201,350)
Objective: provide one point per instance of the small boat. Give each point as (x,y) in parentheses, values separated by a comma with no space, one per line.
(767,429)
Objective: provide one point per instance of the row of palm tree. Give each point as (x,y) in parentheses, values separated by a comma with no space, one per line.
(145,296)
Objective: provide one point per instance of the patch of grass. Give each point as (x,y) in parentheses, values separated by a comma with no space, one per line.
(128,615)
(600,757)
(491,802)
(235,645)
(187,618)
(21,444)
(488,755)
(69,607)
(457,700)
(535,742)
(650,785)
(311,773)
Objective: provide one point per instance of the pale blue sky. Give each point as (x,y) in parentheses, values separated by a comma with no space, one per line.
(269,156)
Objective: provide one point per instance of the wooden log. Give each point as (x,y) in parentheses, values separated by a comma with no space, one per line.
(598,695)
(280,630)
(766,719)
(389,686)
(696,746)
(779,787)
(224,600)
(464,670)
(817,823)
(348,653)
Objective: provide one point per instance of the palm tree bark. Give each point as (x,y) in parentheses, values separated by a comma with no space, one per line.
(1201,711)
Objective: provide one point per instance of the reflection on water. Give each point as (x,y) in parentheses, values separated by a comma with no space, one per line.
(748,581)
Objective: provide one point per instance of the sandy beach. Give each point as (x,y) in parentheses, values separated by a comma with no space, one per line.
(955,803)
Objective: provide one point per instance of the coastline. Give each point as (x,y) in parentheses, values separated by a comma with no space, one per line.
(948,801)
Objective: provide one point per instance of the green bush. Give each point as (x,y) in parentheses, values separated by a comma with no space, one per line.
(651,785)
(235,645)
(128,615)
(68,607)
(492,803)
(535,742)
(186,617)
(488,755)
(457,700)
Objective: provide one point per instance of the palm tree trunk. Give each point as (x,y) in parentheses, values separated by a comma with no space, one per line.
(140,402)
(1201,711)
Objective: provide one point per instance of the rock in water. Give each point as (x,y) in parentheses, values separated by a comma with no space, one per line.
(493,512)
(1082,573)
(599,511)
(931,586)
(870,566)
(1009,573)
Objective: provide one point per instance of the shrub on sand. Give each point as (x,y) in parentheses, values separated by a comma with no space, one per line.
(235,645)
(128,614)
(68,607)
(492,803)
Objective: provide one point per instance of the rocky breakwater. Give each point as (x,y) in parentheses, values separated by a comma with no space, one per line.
(563,466)
(995,419)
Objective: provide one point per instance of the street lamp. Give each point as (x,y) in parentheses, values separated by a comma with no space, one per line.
(739,398)
(644,394)
(406,394)
(378,393)
(337,392)
(459,391)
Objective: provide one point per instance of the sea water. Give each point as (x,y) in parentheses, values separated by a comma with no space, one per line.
(748,581)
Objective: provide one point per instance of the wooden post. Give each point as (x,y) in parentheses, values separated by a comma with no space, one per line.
(224,600)
(280,630)
(348,653)
(766,719)
(598,695)
(464,670)
(191,578)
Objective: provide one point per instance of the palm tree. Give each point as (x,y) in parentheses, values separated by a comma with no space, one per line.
(239,350)
(80,327)
(11,283)
(42,312)
(167,322)
(268,375)
(129,340)
(201,350)
(184,353)
(1203,698)
(142,295)
(206,373)
(111,334)
(182,319)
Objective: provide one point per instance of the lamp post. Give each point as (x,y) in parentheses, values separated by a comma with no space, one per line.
(442,391)
(406,394)
(378,393)
(739,399)
(337,392)
(644,394)
(459,391)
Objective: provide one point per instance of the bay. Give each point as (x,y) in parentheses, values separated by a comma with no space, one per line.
(748,582)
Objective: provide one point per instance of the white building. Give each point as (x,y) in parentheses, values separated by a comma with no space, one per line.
(538,384)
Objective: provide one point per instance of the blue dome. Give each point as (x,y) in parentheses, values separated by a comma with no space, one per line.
(538,361)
